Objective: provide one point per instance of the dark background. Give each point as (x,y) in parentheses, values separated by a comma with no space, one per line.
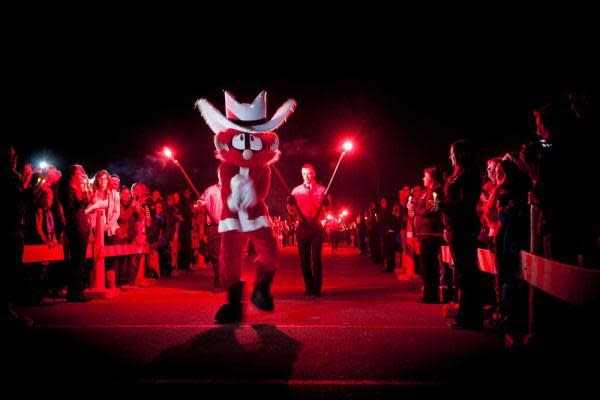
(110,93)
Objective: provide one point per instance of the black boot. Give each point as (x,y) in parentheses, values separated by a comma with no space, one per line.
(232,311)
(261,297)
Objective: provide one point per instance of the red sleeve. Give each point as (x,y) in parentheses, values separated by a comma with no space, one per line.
(261,177)
(226,171)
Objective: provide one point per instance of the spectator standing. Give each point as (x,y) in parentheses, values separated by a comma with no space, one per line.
(75,195)
(511,237)
(212,204)
(125,234)
(390,227)
(461,194)
(429,231)
(107,199)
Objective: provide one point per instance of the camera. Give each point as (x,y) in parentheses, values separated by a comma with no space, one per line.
(532,150)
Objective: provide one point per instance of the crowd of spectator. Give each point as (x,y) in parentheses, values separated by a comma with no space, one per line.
(520,203)
(56,209)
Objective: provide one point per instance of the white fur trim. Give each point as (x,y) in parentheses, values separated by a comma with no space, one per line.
(275,144)
(244,224)
(229,224)
(219,146)
(242,194)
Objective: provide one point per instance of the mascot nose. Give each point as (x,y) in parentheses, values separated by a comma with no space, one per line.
(247,154)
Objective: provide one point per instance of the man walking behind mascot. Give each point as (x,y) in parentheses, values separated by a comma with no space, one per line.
(246,145)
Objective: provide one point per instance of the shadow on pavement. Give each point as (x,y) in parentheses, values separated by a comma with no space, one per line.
(228,354)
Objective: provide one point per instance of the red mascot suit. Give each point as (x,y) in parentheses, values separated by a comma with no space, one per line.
(246,145)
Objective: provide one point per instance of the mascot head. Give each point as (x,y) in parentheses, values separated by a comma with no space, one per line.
(244,136)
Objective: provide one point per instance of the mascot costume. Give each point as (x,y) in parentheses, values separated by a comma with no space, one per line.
(246,145)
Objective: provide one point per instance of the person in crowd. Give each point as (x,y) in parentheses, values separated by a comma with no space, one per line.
(156,197)
(36,276)
(46,232)
(52,176)
(333,229)
(397,213)
(32,285)
(211,201)
(199,252)
(390,226)
(115,182)
(125,234)
(75,194)
(310,203)
(429,231)
(286,232)
(26,176)
(557,152)
(31,195)
(488,222)
(56,269)
(107,199)
(361,227)
(173,218)
(403,195)
(411,203)
(44,219)
(416,193)
(141,207)
(141,198)
(461,223)
(374,233)
(158,239)
(279,232)
(293,223)
(509,199)
(185,230)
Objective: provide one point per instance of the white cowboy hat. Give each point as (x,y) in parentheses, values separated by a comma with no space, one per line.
(244,117)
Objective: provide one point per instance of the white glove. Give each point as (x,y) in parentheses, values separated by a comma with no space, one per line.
(242,194)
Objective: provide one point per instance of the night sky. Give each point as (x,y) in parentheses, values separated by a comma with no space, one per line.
(112,100)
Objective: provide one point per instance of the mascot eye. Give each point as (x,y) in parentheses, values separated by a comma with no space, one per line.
(238,142)
(255,143)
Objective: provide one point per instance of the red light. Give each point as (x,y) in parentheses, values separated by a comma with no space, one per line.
(348,146)
(168,152)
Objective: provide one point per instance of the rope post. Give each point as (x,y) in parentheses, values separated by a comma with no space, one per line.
(98,288)
(140,278)
(532,247)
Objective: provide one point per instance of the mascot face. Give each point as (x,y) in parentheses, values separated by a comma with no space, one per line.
(247,149)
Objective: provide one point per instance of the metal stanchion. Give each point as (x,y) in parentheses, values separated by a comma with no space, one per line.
(98,288)
(532,247)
